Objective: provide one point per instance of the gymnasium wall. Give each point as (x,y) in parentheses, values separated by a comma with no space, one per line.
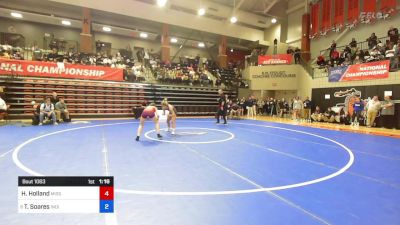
(283,80)
(275,31)
(294,28)
(34,32)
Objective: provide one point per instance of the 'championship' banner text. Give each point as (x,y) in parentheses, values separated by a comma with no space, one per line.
(58,70)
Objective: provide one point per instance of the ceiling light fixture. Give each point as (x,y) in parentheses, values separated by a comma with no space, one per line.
(201,12)
(201,45)
(174,40)
(233,19)
(16,15)
(107,29)
(144,35)
(161,3)
(273,20)
(66,22)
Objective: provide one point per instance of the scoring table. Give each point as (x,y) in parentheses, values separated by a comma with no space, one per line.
(65,194)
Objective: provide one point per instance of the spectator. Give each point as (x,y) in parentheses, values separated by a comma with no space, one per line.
(332,47)
(47,110)
(249,107)
(3,109)
(335,57)
(282,108)
(358,107)
(372,41)
(307,109)
(54,98)
(273,107)
(361,55)
(353,43)
(317,115)
(393,34)
(388,112)
(61,110)
(36,113)
(218,82)
(297,56)
(297,107)
(53,56)
(260,107)
(289,51)
(4,54)
(357,60)
(329,115)
(373,107)
(254,57)
(321,61)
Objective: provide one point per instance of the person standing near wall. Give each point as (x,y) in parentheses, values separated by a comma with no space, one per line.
(249,107)
(373,107)
(307,109)
(388,112)
(297,106)
(358,107)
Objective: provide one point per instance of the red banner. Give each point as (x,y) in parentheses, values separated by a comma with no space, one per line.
(58,70)
(365,71)
(339,13)
(388,6)
(314,19)
(353,11)
(275,59)
(369,6)
(326,15)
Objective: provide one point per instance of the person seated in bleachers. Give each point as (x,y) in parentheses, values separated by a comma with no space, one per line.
(3,108)
(335,57)
(4,54)
(316,115)
(343,117)
(54,98)
(35,113)
(47,112)
(61,110)
(53,56)
(235,110)
(321,62)
(329,115)
(374,55)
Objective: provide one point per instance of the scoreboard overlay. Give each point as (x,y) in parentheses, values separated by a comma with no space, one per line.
(66,194)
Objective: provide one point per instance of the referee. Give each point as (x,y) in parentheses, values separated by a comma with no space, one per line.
(222,106)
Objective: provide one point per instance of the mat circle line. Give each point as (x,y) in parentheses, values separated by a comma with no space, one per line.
(198,193)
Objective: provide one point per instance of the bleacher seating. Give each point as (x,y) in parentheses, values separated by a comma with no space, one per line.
(105,99)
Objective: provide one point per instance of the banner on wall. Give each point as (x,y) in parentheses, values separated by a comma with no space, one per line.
(275,59)
(314,19)
(388,6)
(326,15)
(366,71)
(58,70)
(339,13)
(352,11)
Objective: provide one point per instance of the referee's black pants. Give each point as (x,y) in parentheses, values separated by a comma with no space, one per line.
(221,113)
